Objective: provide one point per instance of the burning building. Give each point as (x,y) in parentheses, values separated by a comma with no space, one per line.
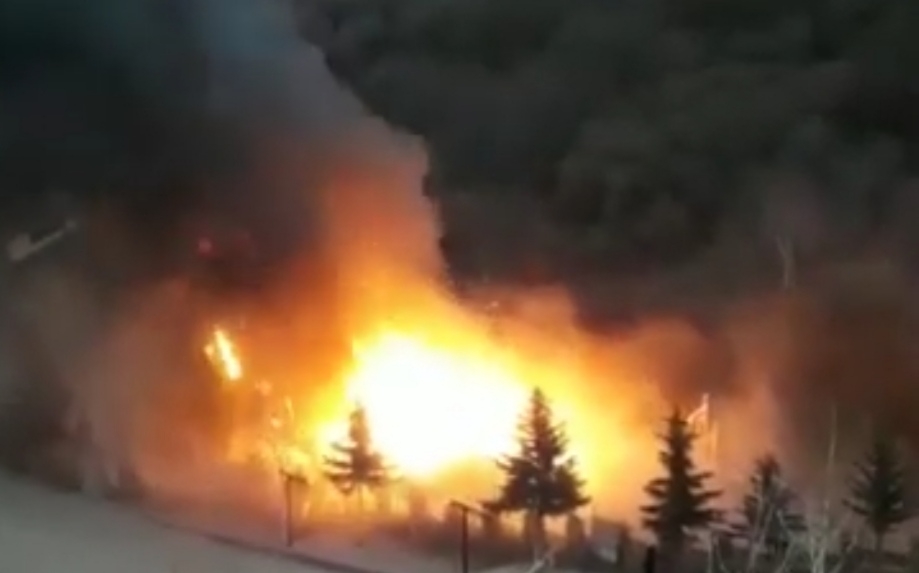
(229,315)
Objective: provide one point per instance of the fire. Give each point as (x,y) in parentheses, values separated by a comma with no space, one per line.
(433,406)
(223,354)
(433,401)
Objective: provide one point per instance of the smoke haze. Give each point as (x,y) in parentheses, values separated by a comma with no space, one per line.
(149,116)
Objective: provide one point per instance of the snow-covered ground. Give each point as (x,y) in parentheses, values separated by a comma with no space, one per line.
(43,531)
(370,554)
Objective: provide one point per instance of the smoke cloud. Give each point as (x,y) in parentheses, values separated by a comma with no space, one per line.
(155,115)
(151,117)
(165,108)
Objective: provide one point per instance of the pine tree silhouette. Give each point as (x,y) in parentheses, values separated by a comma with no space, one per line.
(878,491)
(680,500)
(541,478)
(768,519)
(354,466)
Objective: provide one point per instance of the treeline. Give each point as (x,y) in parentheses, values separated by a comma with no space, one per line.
(772,527)
(651,127)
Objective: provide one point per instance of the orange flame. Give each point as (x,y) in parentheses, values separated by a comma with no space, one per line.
(439,392)
(431,406)
(223,354)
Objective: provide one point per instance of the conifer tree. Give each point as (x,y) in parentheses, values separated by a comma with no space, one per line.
(768,518)
(354,466)
(878,490)
(680,499)
(541,478)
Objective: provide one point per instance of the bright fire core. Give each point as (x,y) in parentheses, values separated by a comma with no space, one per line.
(430,407)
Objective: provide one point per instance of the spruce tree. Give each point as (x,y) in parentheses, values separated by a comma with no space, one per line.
(768,518)
(878,490)
(354,466)
(680,500)
(541,478)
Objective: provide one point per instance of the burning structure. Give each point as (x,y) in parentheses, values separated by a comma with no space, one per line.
(297,272)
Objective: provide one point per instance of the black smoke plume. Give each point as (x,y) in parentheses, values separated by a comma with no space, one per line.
(161,111)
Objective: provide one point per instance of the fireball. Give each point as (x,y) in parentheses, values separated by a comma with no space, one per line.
(431,407)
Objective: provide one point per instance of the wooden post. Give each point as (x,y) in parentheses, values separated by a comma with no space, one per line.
(464,542)
(288,486)
(464,510)
(650,562)
(289,481)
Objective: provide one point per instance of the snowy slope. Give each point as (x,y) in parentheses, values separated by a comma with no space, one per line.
(42,531)
(343,553)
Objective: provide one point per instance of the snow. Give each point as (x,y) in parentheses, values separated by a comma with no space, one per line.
(371,554)
(525,568)
(47,531)
(43,531)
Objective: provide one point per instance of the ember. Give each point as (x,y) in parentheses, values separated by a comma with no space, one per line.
(222,353)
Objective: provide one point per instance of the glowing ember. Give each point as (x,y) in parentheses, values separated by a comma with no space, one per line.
(284,442)
(222,353)
(205,247)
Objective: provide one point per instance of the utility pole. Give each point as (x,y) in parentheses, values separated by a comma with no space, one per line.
(465,510)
